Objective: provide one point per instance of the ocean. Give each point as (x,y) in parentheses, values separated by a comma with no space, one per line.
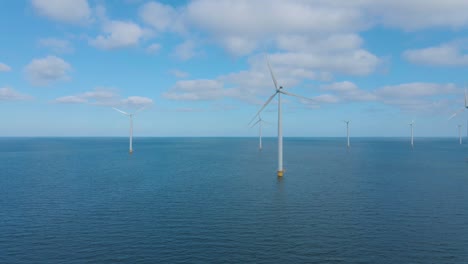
(218,200)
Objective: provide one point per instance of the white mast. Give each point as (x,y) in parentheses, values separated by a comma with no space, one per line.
(280,138)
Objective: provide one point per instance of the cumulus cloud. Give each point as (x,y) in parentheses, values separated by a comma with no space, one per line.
(8,94)
(68,11)
(417,14)
(179,74)
(153,48)
(196,90)
(4,67)
(428,97)
(161,17)
(447,54)
(104,97)
(249,24)
(44,71)
(118,34)
(56,45)
(185,50)
(136,101)
(349,91)
(72,99)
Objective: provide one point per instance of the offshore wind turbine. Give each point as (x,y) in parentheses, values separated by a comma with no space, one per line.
(461,110)
(459,134)
(260,122)
(347,131)
(412,134)
(130,115)
(279,91)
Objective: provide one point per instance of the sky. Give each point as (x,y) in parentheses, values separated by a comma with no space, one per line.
(199,67)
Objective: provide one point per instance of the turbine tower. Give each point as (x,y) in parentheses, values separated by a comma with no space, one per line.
(130,115)
(279,91)
(459,134)
(260,122)
(412,134)
(347,131)
(461,110)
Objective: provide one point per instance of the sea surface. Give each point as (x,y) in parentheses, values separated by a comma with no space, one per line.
(218,200)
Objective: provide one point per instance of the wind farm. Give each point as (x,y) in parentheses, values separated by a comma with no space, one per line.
(201,131)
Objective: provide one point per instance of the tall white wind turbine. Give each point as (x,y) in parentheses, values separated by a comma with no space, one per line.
(130,115)
(260,123)
(279,91)
(347,131)
(412,134)
(461,110)
(459,134)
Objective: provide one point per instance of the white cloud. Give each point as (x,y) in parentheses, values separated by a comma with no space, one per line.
(179,74)
(153,48)
(46,70)
(68,11)
(159,16)
(104,97)
(417,14)
(137,102)
(420,97)
(196,90)
(447,54)
(8,94)
(185,50)
(57,45)
(72,99)
(98,96)
(118,34)
(348,91)
(411,90)
(4,67)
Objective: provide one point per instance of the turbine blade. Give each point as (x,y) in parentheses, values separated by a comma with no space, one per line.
(456,113)
(272,75)
(295,95)
(125,113)
(466,103)
(256,123)
(263,107)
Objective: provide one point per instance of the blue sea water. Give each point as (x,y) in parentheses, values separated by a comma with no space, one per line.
(218,200)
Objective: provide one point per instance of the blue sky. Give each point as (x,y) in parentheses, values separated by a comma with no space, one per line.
(200,66)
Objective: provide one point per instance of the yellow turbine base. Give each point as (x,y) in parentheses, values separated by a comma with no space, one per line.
(131,152)
(280,173)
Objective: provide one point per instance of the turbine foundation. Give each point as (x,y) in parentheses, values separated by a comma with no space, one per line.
(280,173)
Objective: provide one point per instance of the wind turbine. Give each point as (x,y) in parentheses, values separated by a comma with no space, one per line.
(130,115)
(260,122)
(279,91)
(347,131)
(459,133)
(412,141)
(461,110)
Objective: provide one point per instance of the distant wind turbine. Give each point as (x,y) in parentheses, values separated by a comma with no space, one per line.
(260,122)
(347,131)
(461,110)
(459,134)
(279,91)
(412,137)
(130,115)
